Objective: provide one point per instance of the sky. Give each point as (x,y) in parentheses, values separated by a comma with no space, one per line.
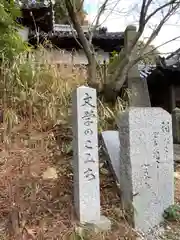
(126,12)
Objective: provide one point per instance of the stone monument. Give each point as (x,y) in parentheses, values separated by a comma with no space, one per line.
(146,165)
(85,158)
(112,148)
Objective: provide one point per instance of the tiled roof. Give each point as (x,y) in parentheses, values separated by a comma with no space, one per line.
(97,35)
(145,70)
(171,63)
(65,39)
(33,4)
(65,31)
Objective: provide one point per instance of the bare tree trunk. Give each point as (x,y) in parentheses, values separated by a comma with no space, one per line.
(118,74)
(92,71)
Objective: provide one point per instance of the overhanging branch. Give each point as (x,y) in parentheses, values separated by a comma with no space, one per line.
(74,18)
(101,11)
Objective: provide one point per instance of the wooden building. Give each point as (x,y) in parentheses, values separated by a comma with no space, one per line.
(164,84)
(38,20)
(163,80)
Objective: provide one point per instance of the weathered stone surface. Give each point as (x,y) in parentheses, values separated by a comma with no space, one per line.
(177,153)
(112,145)
(139,96)
(86,159)
(103,224)
(146,165)
(85,155)
(176,125)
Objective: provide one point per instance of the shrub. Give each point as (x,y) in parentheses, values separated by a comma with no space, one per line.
(172,213)
(11,44)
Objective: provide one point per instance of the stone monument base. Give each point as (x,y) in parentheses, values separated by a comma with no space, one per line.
(102,225)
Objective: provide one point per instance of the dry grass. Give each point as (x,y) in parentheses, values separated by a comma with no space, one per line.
(36,208)
(42,92)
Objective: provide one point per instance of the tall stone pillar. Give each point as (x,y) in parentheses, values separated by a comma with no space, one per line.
(138,87)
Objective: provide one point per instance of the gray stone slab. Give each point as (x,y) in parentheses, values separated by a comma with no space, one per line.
(146,165)
(139,96)
(112,145)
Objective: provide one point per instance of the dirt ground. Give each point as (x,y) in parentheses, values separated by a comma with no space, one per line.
(35,207)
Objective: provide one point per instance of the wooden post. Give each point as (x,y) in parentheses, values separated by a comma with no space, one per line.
(172,98)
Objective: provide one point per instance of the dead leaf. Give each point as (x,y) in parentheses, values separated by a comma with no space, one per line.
(31,232)
(50,173)
(177,175)
(104,171)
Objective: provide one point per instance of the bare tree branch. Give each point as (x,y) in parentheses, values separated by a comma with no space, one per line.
(101,11)
(87,47)
(127,58)
(128,62)
(79,30)
(143,13)
(169,3)
(74,35)
(142,16)
(111,11)
(159,26)
(140,57)
(147,6)
(81,5)
(161,45)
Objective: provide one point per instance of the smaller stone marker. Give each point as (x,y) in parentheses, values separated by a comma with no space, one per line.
(85,158)
(146,165)
(112,145)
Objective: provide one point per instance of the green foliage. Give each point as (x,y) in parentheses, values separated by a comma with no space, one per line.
(114,54)
(11,44)
(172,213)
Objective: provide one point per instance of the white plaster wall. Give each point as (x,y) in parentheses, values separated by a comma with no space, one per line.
(68,28)
(24,32)
(60,56)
